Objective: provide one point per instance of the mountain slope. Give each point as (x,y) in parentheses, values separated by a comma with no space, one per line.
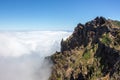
(92,52)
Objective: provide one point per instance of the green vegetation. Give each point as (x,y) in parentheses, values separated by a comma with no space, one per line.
(86,54)
(117,39)
(105,39)
(117,23)
(92,58)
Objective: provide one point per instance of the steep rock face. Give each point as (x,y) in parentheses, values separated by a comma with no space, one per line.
(92,52)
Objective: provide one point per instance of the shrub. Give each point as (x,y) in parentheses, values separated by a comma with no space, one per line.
(86,54)
(106,40)
(117,23)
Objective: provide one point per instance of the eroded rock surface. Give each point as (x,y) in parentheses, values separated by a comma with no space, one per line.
(92,52)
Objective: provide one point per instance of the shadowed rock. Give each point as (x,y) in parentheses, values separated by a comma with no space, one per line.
(92,52)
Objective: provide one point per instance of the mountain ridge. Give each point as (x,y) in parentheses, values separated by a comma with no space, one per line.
(92,52)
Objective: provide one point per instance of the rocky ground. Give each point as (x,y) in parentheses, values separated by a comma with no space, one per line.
(92,52)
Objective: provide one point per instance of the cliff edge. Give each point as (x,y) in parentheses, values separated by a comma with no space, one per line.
(92,52)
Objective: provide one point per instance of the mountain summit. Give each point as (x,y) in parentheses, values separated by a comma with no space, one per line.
(92,52)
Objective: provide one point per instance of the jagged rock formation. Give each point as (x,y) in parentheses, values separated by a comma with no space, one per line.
(92,52)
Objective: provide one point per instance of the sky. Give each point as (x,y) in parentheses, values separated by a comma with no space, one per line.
(54,14)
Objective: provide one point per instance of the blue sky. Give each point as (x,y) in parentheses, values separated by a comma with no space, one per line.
(54,14)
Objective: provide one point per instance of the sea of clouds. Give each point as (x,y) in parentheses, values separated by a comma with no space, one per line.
(22,54)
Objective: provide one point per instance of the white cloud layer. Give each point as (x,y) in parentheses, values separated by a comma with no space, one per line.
(22,54)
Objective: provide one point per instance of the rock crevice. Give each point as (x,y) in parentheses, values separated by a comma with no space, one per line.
(92,52)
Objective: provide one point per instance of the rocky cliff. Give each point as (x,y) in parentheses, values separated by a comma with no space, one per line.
(92,52)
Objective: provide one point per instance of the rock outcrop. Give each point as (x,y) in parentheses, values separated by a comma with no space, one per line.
(92,52)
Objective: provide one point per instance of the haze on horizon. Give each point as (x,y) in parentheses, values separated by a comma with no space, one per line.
(53,14)
(23,49)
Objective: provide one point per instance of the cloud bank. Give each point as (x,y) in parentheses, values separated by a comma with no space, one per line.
(22,54)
